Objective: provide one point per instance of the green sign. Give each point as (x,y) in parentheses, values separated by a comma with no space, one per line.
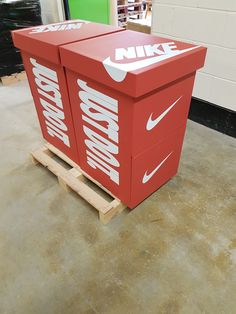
(90,10)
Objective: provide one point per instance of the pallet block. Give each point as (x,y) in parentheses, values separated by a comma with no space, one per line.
(75,179)
(11,79)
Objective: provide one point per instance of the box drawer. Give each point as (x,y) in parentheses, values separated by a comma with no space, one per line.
(155,166)
(159,114)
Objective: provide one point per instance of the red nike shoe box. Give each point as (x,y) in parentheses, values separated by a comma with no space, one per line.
(130,94)
(40,53)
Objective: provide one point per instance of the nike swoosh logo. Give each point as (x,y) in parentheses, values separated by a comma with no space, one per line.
(147,177)
(118,71)
(152,123)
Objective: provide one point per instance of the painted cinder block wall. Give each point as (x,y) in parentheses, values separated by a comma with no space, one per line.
(213,24)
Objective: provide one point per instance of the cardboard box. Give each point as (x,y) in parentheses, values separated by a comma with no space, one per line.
(40,52)
(130,95)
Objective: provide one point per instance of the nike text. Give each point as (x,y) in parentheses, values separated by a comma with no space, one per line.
(144,51)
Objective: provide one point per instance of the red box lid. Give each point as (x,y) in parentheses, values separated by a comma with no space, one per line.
(44,40)
(131,62)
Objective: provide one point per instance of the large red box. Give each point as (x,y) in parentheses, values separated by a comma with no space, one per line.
(130,96)
(40,52)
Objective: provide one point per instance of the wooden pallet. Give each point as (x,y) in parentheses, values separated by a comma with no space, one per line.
(75,179)
(11,79)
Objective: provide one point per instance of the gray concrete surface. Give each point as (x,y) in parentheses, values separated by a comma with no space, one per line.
(175,253)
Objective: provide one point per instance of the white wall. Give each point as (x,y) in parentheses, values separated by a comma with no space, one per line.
(113,13)
(213,24)
(52,11)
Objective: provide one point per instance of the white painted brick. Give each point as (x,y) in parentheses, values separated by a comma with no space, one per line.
(212,26)
(228,5)
(215,90)
(162,18)
(230,31)
(220,61)
(200,25)
(202,86)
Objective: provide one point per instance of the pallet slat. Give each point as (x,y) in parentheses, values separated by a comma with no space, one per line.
(73,164)
(74,179)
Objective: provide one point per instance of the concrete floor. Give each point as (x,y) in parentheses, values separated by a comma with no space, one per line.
(175,253)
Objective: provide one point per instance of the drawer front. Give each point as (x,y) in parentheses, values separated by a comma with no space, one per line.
(158,164)
(159,114)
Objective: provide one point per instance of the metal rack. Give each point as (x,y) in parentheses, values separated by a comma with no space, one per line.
(129,9)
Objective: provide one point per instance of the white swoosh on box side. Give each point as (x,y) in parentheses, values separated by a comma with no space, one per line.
(152,123)
(118,71)
(147,177)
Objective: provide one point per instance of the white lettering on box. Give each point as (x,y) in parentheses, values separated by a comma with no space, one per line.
(144,51)
(56,27)
(50,99)
(150,54)
(102,150)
